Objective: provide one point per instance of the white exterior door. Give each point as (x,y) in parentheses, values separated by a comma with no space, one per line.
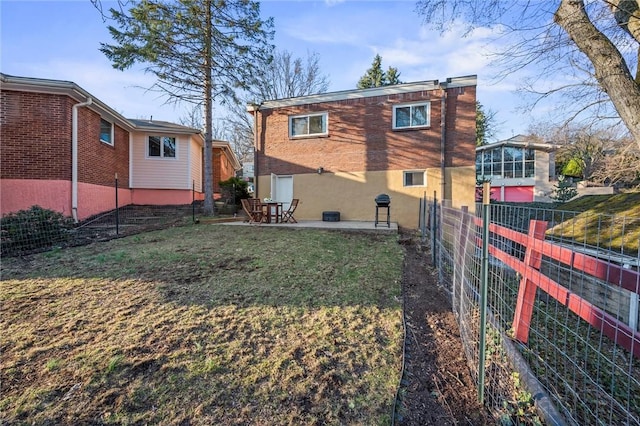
(283,190)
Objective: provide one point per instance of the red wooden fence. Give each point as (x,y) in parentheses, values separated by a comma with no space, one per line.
(532,279)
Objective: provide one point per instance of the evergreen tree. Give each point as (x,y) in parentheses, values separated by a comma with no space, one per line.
(393,76)
(197,49)
(485,125)
(375,77)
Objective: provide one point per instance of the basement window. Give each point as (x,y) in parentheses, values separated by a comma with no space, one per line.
(414,178)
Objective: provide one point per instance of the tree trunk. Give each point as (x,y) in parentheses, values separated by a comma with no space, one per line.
(611,71)
(208,119)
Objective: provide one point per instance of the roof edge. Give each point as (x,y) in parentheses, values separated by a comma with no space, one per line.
(464,81)
(69,88)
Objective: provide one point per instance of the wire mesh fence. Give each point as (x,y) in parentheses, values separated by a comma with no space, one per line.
(39,229)
(561,309)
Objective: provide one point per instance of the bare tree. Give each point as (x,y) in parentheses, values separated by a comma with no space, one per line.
(284,77)
(620,166)
(587,152)
(289,77)
(583,52)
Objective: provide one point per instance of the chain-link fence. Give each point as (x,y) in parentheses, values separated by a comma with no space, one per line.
(560,326)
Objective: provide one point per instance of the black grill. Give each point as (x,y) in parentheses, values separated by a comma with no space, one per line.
(383,200)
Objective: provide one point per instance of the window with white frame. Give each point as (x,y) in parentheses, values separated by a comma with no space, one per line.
(308,125)
(161,147)
(106,131)
(414,178)
(411,115)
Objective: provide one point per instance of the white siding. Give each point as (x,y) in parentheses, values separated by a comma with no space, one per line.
(196,164)
(161,173)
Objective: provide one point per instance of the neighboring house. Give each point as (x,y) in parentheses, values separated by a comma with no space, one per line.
(62,149)
(225,164)
(338,151)
(520,169)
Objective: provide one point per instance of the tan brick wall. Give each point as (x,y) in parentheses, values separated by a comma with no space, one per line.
(353,194)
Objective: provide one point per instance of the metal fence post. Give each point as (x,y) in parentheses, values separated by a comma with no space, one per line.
(434,226)
(423,217)
(117,208)
(193,201)
(484,279)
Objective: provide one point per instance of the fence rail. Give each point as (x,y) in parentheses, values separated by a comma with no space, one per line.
(571,308)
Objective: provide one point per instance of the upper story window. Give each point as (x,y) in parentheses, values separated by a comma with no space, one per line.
(308,125)
(161,147)
(106,131)
(506,162)
(411,116)
(414,178)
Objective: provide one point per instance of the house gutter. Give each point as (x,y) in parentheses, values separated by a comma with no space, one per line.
(74,157)
(255,108)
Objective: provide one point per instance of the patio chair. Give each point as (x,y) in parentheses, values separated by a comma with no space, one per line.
(288,215)
(253,210)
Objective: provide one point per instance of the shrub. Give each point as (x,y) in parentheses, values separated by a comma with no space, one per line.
(33,229)
(564,190)
(234,186)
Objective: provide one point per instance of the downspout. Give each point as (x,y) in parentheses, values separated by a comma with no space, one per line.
(443,131)
(256,110)
(74,157)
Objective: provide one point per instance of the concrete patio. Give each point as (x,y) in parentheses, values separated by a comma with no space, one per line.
(344,225)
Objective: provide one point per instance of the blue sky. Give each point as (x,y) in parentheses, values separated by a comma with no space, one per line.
(60,40)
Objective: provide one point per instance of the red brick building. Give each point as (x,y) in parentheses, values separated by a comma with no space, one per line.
(338,151)
(62,148)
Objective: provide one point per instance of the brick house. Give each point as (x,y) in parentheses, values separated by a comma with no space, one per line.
(62,149)
(338,151)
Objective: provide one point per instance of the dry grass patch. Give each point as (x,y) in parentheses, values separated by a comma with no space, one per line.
(607,221)
(204,325)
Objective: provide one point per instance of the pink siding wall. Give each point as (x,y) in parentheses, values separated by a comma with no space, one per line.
(94,199)
(21,194)
(163,196)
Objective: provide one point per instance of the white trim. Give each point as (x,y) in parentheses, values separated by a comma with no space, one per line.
(521,141)
(161,156)
(353,94)
(112,132)
(189,165)
(130,160)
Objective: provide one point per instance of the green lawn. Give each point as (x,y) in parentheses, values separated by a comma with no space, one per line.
(203,325)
